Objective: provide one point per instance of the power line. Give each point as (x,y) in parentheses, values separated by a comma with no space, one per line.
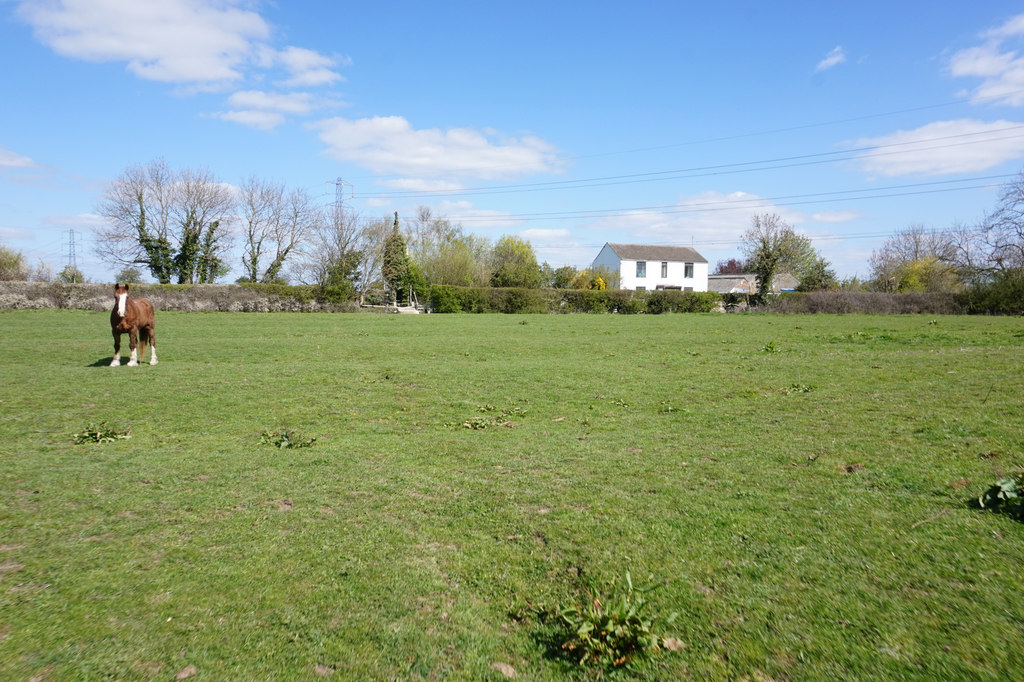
(718,169)
(754,202)
(787,129)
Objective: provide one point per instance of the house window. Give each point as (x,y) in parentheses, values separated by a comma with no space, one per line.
(641,268)
(688,271)
(687,288)
(664,269)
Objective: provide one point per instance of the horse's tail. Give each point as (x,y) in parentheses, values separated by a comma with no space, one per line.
(143,340)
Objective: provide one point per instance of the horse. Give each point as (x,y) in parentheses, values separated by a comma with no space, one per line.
(134,316)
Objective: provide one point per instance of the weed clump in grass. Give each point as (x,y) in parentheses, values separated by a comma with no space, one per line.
(286,438)
(611,629)
(101,433)
(1006,496)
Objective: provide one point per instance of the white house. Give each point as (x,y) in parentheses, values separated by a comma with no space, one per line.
(655,267)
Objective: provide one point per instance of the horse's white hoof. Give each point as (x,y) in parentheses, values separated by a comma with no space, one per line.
(133,363)
(115,363)
(152,362)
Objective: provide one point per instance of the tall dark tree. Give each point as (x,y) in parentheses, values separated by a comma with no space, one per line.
(395,263)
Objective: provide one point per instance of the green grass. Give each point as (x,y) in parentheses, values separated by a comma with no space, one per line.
(804,507)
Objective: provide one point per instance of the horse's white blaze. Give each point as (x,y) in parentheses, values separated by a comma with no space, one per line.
(121,298)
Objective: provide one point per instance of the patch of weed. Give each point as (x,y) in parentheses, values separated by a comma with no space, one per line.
(103,432)
(286,438)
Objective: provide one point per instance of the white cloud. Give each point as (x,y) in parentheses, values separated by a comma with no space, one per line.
(943,147)
(289,103)
(267,110)
(834,58)
(261,120)
(390,145)
(1014,26)
(175,41)
(1001,69)
(9,159)
(307,68)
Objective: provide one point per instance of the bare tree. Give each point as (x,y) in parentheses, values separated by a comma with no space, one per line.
(274,224)
(137,206)
(1001,234)
(446,254)
(174,223)
(342,247)
(202,206)
(931,250)
(259,204)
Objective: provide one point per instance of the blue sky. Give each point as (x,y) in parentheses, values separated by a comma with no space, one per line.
(569,124)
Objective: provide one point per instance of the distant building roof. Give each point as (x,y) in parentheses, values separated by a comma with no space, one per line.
(732,284)
(747,283)
(645,252)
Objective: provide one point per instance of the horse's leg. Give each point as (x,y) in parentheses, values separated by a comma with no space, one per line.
(152,344)
(117,349)
(133,343)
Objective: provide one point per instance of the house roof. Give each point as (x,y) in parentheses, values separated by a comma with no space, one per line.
(646,252)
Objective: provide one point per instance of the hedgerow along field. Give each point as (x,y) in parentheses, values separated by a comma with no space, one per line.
(796,486)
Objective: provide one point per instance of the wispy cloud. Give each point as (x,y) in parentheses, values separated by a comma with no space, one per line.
(267,110)
(9,159)
(390,145)
(999,67)
(834,58)
(307,68)
(943,147)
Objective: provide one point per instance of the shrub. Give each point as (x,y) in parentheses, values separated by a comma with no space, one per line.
(517,300)
(627,303)
(443,299)
(682,302)
(1002,296)
(472,300)
(589,301)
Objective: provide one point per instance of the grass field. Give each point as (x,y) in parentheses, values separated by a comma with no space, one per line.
(797,486)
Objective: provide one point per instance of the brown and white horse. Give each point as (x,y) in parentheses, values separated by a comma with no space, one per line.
(134,316)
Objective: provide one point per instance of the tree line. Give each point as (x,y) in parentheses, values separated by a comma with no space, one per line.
(180,226)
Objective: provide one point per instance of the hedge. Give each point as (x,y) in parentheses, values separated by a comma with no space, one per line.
(451,299)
